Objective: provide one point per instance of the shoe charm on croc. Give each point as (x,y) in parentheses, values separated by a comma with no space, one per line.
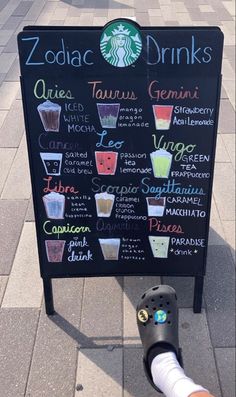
(157,319)
(143,316)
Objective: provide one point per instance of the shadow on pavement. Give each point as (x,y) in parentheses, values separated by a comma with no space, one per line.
(219,277)
(98,4)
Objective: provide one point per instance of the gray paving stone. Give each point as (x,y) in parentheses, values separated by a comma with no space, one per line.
(6,159)
(53,367)
(229,229)
(229,141)
(226,118)
(30,212)
(142,18)
(221,152)
(12,213)
(5,35)
(198,357)
(2,77)
(3,4)
(225,359)
(13,127)
(216,231)
(11,45)
(14,72)
(224,197)
(18,185)
(22,8)
(19,291)
(3,283)
(12,23)
(17,330)
(100,324)
(100,372)
(8,91)
(6,61)
(35,10)
(184,287)
(219,295)
(135,381)
(134,287)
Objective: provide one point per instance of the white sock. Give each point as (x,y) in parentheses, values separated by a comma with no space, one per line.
(170,378)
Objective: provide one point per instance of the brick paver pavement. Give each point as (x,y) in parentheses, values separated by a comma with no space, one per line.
(87,343)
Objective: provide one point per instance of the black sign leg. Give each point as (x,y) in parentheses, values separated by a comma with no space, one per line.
(48,296)
(198,290)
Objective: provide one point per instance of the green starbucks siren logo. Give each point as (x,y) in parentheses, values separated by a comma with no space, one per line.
(121,44)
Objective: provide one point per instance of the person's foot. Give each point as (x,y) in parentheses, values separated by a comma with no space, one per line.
(157,319)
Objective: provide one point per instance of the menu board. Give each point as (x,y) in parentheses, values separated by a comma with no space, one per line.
(121,126)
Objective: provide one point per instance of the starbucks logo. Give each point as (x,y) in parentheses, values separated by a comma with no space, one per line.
(121,44)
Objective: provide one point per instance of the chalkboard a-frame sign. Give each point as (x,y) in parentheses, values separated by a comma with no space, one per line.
(121,125)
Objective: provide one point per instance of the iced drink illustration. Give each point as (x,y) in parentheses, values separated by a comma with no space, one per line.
(104,204)
(106,162)
(159,246)
(49,113)
(162,116)
(161,163)
(54,250)
(52,163)
(110,248)
(54,204)
(156,206)
(108,114)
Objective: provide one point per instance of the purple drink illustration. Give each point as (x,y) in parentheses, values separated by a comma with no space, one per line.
(108,114)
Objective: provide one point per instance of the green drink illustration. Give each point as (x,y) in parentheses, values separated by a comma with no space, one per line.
(159,246)
(161,163)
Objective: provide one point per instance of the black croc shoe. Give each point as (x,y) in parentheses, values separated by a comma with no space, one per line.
(157,318)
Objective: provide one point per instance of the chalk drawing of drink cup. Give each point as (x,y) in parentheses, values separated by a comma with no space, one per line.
(49,113)
(104,204)
(54,204)
(162,116)
(159,246)
(55,250)
(161,163)
(106,162)
(110,248)
(52,163)
(108,114)
(156,206)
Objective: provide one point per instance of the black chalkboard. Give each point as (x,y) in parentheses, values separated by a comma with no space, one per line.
(121,126)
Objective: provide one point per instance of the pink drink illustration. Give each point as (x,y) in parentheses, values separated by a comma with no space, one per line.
(162,116)
(108,114)
(54,204)
(106,162)
(110,248)
(49,113)
(55,250)
(156,206)
(52,163)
